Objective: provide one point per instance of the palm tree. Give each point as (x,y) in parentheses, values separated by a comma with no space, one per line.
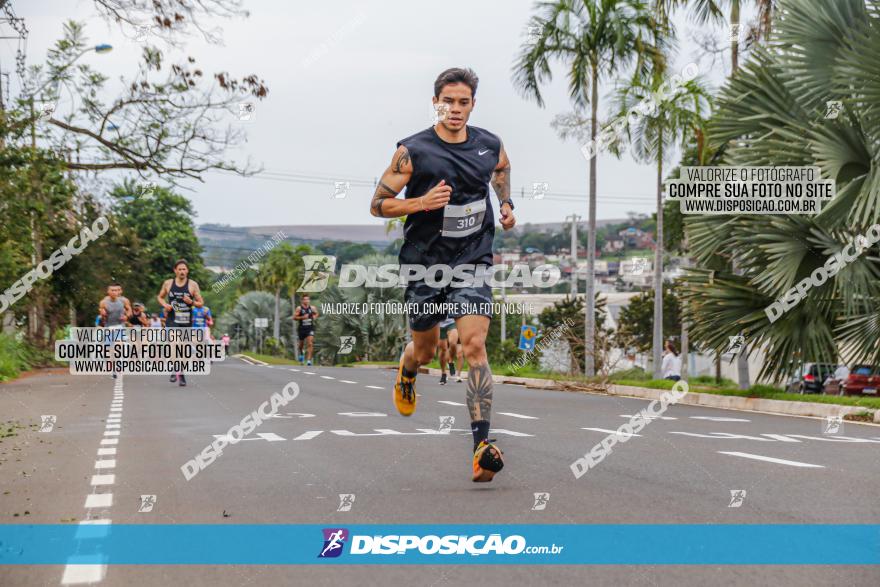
(707,12)
(677,119)
(594,39)
(240,319)
(773,113)
(379,336)
(275,272)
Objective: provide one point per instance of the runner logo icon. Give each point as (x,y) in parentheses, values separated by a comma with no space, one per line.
(318,269)
(334,540)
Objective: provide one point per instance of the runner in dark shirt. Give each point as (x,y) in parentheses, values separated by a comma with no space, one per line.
(446,170)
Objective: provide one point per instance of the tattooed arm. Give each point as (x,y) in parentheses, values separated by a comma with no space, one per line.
(385,203)
(479,392)
(501,185)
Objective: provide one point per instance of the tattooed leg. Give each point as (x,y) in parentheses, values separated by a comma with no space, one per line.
(479,401)
(479,392)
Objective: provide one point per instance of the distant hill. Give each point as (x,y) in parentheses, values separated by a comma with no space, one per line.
(373,234)
(224,245)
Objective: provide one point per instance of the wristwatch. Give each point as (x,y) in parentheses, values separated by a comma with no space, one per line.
(509,201)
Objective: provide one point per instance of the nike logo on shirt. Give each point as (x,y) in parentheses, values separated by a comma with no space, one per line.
(482,152)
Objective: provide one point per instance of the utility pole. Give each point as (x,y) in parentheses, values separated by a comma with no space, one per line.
(574,252)
(504,305)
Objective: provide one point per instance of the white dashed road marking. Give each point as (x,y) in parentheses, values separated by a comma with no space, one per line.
(327,377)
(79,574)
(449,403)
(308,435)
(79,569)
(512,415)
(346,381)
(614,432)
(746,455)
(374,387)
(99,500)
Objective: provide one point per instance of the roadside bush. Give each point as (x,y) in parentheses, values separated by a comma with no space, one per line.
(15,357)
(274,347)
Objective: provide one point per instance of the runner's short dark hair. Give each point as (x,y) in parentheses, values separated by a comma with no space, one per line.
(179,261)
(457,75)
(114,284)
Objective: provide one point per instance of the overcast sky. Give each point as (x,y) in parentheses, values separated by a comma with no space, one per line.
(337,112)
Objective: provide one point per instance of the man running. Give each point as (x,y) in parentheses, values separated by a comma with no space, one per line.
(202,318)
(114,311)
(446,170)
(456,354)
(305,314)
(138,318)
(444,349)
(179,296)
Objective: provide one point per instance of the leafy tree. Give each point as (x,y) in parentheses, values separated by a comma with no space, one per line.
(178,126)
(593,39)
(239,323)
(380,336)
(349,252)
(571,310)
(635,324)
(277,272)
(163,224)
(780,95)
(678,116)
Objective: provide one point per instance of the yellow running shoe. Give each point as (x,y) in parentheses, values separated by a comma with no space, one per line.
(487,461)
(404,392)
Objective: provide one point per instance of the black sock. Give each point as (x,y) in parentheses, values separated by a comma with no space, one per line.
(407,373)
(480,430)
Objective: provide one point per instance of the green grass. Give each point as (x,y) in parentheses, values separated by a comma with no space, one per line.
(15,357)
(757,391)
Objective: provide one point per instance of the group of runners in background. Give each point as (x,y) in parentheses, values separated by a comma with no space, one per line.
(182,307)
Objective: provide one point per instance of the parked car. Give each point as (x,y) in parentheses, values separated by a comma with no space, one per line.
(862,380)
(811,378)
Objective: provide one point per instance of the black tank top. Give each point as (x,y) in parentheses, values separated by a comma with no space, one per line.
(307,321)
(181,312)
(467,167)
(135,319)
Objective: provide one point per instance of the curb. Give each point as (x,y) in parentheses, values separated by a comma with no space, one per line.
(696,398)
(747,404)
(249,359)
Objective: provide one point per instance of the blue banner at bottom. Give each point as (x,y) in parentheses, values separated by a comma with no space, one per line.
(588,544)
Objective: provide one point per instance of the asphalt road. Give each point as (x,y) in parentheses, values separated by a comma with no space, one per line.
(341,435)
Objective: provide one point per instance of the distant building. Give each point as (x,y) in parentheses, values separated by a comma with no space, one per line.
(636,238)
(613,246)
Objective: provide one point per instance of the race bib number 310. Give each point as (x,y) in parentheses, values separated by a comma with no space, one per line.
(460,221)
